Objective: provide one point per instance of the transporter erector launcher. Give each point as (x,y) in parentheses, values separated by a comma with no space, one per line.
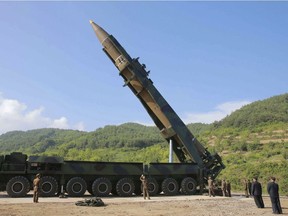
(186,147)
(100,178)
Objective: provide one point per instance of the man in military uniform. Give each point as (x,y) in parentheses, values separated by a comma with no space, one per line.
(228,188)
(223,187)
(273,191)
(249,184)
(256,191)
(36,183)
(144,187)
(211,187)
(246,188)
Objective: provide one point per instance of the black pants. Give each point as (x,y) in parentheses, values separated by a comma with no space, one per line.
(276,206)
(259,201)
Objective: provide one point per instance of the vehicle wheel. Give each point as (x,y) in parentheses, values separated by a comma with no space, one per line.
(76,187)
(188,186)
(125,187)
(48,186)
(170,186)
(18,186)
(101,187)
(153,186)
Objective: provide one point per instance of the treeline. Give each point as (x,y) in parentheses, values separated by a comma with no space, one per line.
(128,135)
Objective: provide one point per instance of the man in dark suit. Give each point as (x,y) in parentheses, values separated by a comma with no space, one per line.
(273,191)
(256,191)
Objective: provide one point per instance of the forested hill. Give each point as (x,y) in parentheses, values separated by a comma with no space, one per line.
(253,141)
(266,112)
(128,135)
(271,110)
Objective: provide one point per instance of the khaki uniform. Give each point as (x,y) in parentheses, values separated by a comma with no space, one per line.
(211,187)
(144,187)
(223,187)
(36,183)
(228,188)
(246,188)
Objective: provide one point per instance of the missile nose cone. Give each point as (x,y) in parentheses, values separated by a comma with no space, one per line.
(100,32)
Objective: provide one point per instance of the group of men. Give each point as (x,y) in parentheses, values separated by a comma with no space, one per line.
(255,189)
(225,187)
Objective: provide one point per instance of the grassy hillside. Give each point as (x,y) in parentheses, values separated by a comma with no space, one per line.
(71,144)
(271,110)
(253,141)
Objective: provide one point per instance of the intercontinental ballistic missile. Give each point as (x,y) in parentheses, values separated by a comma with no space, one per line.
(186,147)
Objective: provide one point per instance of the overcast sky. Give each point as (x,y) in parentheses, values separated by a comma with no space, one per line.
(206,58)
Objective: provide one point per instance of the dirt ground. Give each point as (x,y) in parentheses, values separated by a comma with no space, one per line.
(200,205)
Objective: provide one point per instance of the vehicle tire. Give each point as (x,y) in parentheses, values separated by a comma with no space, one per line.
(48,186)
(125,187)
(76,187)
(101,187)
(170,187)
(18,186)
(188,186)
(153,186)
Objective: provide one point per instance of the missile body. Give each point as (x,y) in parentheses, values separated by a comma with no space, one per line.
(131,70)
(186,147)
